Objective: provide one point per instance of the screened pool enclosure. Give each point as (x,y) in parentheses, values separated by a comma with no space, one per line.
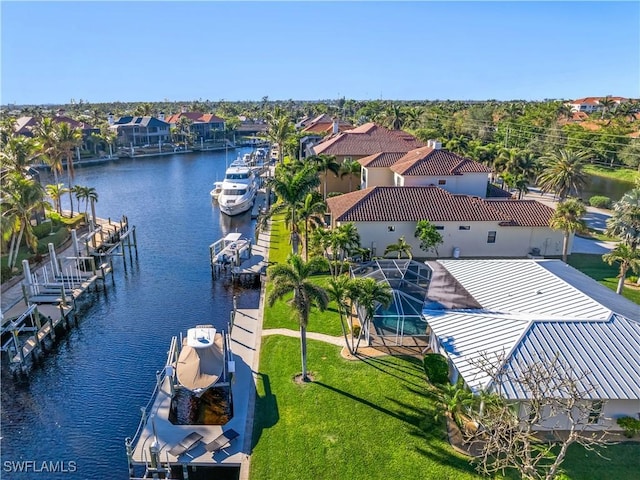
(409,281)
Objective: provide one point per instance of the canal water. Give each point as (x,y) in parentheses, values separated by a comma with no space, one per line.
(76,408)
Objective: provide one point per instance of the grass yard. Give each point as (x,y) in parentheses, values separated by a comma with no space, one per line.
(602,272)
(279,246)
(618,173)
(369,420)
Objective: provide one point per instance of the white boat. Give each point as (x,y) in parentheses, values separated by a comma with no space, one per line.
(238,189)
(217,188)
(202,360)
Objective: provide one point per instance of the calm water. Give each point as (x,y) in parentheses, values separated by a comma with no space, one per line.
(608,187)
(85,397)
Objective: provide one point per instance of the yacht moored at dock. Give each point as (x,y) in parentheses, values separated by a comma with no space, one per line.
(238,190)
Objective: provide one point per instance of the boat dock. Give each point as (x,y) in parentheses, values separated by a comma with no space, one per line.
(239,257)
(33,309)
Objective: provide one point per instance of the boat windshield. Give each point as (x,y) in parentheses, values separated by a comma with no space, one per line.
(237,176)
(234,192)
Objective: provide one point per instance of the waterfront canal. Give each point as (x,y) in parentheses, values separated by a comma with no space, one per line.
(79,404)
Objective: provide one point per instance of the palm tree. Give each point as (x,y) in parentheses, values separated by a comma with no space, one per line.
(563,173)
(279,129)
(351,168)
(291,187)
(339,290)
(47,134)
(607,103)
(89,195)
(325,164)
(394,117)
(22,198)
(401,248)
(627,257)
(343,241)
(625,221)
(18,154)
(568,217)
(295,277)
(55,192)
(68,139)
(368,294)
(183,128)
(311,212)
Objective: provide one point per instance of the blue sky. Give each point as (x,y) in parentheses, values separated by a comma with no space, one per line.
(53,52)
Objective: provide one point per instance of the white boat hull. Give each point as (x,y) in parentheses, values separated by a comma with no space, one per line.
(236,208)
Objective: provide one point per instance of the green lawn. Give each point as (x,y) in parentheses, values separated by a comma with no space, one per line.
(368,420)
(618,173)
(279,246)
(604,273)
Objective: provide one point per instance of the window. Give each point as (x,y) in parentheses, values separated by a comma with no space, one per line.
(391,228)
(595,411)
(491,237)
(442,182)
(438,227)
(464,227)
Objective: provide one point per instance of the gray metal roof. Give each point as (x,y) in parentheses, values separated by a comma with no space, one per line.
(525,287)
(534,310)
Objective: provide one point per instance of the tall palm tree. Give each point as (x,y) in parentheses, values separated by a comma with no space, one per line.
(291,187)
(279,129)
(401,248)
(325,164)
(368,294)
(22,198)
(344,240)
(68,139)
(311,213)
(628,258)
(55,192)
(183,128)
(563,173)
(339,290)
(47,134)
(568,217)
(351,168)
(89,195)
(18,154)
(394,116)
(607,104)
(295,277)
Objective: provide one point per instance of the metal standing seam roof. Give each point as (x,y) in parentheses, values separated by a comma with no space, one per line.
(561,320)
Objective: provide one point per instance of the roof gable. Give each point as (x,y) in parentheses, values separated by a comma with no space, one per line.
(427,161)
(366,140)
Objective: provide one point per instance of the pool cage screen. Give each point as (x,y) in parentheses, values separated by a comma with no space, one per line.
(409,281)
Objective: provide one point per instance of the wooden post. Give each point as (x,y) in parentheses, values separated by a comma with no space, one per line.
(16,343)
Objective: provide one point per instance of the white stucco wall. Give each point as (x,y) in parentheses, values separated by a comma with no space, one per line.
(474,184)
(510,241)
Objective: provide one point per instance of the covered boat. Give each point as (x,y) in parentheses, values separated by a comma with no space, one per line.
(201,362)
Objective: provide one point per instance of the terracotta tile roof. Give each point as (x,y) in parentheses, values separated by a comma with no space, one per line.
(195,117)
(426,161)
(496,192)
(25,125)
(410,204)
(524,213)
(380,159)
(596,100)
(367,139)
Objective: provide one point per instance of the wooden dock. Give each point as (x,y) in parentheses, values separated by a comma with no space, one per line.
(46,298)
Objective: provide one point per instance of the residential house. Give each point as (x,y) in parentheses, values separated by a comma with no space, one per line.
(205,126)
(470,226)
(139,131)
(592,104)
(26,125)
(317,129)
(426,166)
(360,142)
(510,314)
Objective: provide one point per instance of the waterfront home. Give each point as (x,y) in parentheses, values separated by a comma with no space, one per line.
(25,126)
(139,131)
(204,126)
(360,142)
(426,166)
(470,226)
(318,129)
(510,314)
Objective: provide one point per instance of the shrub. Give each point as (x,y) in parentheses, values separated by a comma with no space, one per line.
(436,368)
(600,201)
(356,331)
(631,426)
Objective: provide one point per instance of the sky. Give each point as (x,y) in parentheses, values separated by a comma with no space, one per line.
(52,52)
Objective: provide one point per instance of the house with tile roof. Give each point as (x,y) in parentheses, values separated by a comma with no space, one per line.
(317,129)
(592,104)
(426,166)
(470,226)
(510,314)
(26,125)
(139,131)
(360,142)
(204,126)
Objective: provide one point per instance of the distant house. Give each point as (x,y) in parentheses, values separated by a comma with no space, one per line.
(515,313)
(205,126)
(426,166)
(26,125)
(470,226)
(317,129)
(360,142)
(592,104)
(140,131)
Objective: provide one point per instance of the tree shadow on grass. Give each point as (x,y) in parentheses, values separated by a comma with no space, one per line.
(385,366)
(266,410)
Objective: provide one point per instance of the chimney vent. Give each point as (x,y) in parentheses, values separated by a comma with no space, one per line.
(161,116)
(110,118)
(336,127)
